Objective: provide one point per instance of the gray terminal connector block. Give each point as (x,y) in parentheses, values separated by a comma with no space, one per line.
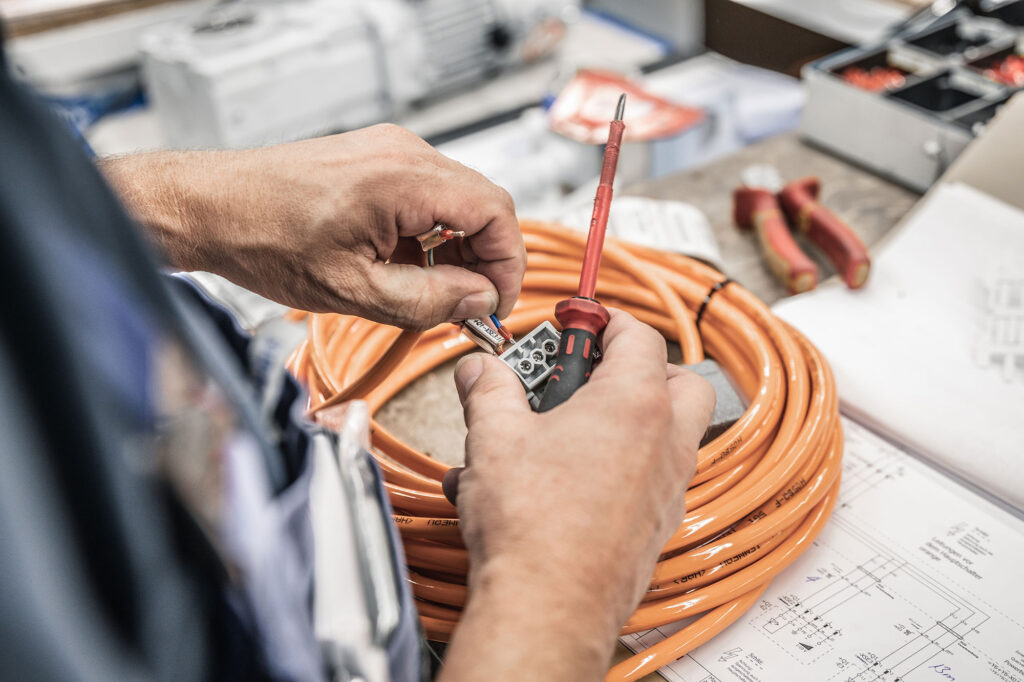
(532,358)
(729,406)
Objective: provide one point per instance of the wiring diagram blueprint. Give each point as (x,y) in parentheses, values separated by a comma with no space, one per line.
(914,579)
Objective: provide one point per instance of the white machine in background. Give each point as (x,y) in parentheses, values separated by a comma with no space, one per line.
(92,56)
(255,72)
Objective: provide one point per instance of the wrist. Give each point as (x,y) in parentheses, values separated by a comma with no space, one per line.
(561,627)
(167,195)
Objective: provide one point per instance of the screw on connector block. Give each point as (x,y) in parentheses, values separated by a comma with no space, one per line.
(532,358)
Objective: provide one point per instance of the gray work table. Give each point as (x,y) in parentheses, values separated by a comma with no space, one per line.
(427,414)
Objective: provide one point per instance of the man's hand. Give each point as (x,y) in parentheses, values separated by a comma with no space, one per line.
(328,224)
(565,513)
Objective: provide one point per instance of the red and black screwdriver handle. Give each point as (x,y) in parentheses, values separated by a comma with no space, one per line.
(582,320)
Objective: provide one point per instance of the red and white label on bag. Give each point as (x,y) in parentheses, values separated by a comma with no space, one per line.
(586,105)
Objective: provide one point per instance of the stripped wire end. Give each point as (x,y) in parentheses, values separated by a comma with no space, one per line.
(437,235)
(502,329)
(448,235)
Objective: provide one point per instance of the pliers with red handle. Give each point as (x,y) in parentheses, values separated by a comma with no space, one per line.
(763,204)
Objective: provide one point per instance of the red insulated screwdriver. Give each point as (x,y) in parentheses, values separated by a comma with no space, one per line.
(582,317)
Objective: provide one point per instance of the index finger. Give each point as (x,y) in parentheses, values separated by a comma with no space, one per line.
(502,236)
(486,213)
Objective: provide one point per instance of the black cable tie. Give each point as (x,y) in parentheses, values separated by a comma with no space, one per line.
(707,299)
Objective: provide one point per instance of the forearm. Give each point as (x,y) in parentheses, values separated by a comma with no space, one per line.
(531,626)
(167,195)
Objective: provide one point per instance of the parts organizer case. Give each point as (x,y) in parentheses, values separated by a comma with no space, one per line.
(922,94)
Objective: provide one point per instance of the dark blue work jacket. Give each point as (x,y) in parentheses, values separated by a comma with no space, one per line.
(133,455)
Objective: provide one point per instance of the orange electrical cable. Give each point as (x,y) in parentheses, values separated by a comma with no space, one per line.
(763,490)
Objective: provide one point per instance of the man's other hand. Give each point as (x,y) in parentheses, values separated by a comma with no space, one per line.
(565,513)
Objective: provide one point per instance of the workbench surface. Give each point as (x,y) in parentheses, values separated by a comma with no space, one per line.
(869,204)
(427,414)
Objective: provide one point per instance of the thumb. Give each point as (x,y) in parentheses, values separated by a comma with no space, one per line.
(486,385)
(414,297)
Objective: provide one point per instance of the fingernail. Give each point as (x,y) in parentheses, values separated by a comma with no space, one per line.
(480,304)
(467,372)
(450,484)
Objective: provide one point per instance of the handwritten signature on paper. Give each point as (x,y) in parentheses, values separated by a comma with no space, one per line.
(943,670)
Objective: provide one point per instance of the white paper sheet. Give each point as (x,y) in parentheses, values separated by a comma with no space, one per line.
(667,225)
(913,580)
(921,353)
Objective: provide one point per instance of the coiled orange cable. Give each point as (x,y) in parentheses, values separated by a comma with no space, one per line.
(763,489)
